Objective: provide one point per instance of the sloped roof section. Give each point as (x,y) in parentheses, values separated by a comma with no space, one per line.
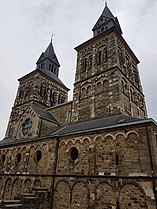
(53,76)
(45,114)
(98,124)
(105,22)
(48,60)
(49,53)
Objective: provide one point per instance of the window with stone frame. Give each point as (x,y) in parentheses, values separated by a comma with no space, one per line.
(99,57)
(3,158)
(125,87)
(98,87)
(83,92)
(87,63)
(69,115)
(26,126)
(38,156)
(89,90)
(102,55)
(121,57)
(42,90)
(84,65)
(132,95)
(18,158)
(105,55)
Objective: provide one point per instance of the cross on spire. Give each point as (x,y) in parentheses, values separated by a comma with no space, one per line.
(105,2)
(52,36)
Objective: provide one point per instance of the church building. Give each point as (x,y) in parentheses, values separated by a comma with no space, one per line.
(98,151)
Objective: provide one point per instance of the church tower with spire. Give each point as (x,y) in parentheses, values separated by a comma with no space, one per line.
(107,80)
(41,88)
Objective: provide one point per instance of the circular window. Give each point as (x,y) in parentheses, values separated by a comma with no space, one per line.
(18,158)
(3,159)
(74,153)
(38,156)
(26,126)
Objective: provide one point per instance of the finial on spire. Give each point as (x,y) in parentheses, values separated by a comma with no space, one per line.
(105,2)
(52,36)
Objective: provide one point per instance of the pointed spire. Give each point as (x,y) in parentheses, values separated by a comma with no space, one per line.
(106,21)
(48,60)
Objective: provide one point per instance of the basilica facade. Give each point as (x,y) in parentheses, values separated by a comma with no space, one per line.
(98,151)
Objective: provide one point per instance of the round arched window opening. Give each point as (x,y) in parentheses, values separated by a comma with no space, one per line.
(18,158)
(3,159)
(38,156)
(26,126)
(74,153)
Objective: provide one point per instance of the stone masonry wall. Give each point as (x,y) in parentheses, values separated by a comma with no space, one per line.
(36,159)
(123,153)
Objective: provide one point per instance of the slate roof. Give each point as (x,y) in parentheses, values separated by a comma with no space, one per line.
(53,76)
(117,121)
(99,124)
(107,20)
(45,114)
(47,73)
(6,141)
(49,53)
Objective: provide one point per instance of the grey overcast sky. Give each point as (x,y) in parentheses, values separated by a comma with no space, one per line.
(26,27)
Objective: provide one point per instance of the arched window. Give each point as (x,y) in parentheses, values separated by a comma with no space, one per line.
(99,87)
(42,90)
(121,58)
(62,99)
(132,95)
(102,55)
(89,90)
(105,55)
(99,57)
(89,62)
(84,68)
(54,97)
(83,92)
(123,88)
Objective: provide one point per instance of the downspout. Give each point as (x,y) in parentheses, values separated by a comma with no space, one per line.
(151,164)
(54,172)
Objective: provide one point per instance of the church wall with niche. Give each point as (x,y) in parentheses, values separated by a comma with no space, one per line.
(32,158)
(42,89)
(29,125)
(118,153)
(103,59)
(132,100)
(102,193)
(13,187)
(98,96)
(96,55)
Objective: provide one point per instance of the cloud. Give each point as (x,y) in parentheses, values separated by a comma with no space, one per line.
(26,27)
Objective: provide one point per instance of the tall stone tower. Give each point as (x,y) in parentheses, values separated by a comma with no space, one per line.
(107,80)
(41,88)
